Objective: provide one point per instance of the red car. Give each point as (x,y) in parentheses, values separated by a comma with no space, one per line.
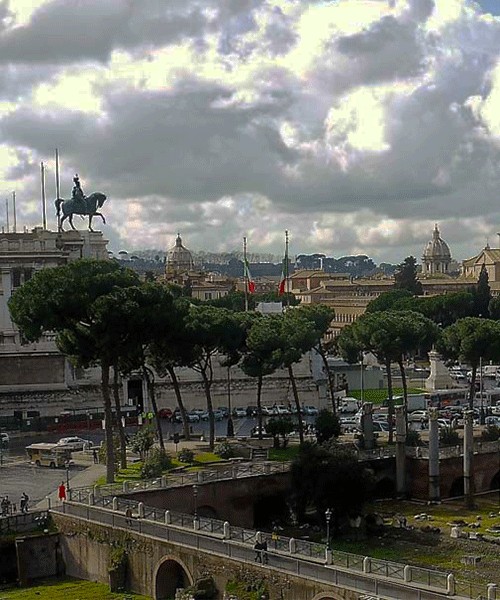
(165,413)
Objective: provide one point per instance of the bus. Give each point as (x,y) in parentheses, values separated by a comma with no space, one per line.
(448,398)
(48,455)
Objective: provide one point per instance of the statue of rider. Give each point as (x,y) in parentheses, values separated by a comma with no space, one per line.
(77,193)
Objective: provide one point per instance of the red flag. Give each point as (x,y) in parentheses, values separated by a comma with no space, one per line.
(248,277)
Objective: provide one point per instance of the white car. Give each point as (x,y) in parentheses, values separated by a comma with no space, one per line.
(310,410)
(239,412)
(418,415)
(74,443)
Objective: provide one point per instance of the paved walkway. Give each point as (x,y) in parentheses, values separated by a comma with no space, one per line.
(85,478)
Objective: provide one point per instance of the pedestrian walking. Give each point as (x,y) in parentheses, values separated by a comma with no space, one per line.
(95,456)
(61,492)
(23,504)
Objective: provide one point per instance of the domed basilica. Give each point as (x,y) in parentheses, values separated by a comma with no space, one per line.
(437,255)
(179,258)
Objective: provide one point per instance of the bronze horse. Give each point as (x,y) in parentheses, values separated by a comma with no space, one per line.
(80,206)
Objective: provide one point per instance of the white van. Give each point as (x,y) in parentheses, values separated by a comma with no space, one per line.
(349,405)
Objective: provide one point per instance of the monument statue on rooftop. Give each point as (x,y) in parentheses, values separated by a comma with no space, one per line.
(79,204)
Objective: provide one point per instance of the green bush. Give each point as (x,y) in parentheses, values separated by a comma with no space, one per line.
(490,434)
(156,462)
(449,437)
(186,455)
(413,438)
(224,450)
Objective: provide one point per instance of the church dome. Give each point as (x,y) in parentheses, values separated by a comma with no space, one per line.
(179,258)
(437,247)
(437,256)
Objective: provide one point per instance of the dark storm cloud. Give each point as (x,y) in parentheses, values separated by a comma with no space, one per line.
(64,31)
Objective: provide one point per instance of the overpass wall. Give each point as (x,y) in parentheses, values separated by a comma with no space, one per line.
(87,548)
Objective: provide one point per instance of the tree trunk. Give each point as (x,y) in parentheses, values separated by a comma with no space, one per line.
(405,390)
(331,385)
(297,403)
(472,388)
(390,412)
(210,410)
(259,406)
(108,423)
(119,424)
(152,394)
(180,403)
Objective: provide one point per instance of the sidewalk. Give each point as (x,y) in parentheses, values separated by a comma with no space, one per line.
(85,478)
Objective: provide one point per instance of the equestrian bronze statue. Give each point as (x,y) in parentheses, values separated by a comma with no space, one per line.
(79,204)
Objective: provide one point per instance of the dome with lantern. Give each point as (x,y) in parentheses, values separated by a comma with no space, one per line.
(179,258)
(437,255)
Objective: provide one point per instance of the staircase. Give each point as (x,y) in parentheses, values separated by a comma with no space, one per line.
(259,454)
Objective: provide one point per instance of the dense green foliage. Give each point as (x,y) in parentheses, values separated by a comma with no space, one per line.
(156,462)
(405,277)
(329,476)
(327,426)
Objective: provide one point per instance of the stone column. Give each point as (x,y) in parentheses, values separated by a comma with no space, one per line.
(468,453)
(367,425)
(434,483)
(400,451)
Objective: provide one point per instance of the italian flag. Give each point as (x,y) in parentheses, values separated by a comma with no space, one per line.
(249,281)
(284,276)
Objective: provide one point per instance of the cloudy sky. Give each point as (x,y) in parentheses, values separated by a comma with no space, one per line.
(354,124)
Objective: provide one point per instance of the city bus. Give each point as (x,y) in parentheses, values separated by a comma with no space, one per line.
(48,455)
(446,398)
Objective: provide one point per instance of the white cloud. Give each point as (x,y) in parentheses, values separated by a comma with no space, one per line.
(354,124)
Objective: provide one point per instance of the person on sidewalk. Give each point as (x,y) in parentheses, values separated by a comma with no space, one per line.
(23,504)
(61,492)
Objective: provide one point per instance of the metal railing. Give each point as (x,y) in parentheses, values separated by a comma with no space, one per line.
(23,521)
(235,471)
(157,522)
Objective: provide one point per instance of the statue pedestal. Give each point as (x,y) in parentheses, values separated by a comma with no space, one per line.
(83,244)
(440,377)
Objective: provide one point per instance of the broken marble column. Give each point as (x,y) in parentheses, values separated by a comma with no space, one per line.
(367,425)
(434,483)
(400,451)
(468,453)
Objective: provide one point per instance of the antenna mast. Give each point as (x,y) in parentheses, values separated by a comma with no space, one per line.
(14,211)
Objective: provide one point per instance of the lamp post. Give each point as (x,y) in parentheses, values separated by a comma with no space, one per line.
(481,410)
(195,498)
(328,516)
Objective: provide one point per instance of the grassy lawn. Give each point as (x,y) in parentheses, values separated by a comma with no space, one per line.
(133,471)
(378,396)
(68,589)
(283,454)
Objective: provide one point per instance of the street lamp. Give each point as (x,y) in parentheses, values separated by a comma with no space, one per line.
(328,516)
(481,412)
(195,497)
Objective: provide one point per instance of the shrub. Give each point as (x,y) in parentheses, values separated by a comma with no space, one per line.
(490,434)
(156,462)
(449,437)
(186,455)
(327,426)
(224,450)
(413,438)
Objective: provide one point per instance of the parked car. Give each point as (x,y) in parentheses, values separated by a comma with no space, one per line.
(269,411)
(492,421)
(310,410)
(74,443)
(283,410)
(224,410)
(165,413)
(254,432)
(193,417)
(240,412)
(218,415)
(418,415)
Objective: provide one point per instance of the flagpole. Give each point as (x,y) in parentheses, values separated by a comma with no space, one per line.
(14,211)
(287,280)
(44,204)
(245,272)
(57,189)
